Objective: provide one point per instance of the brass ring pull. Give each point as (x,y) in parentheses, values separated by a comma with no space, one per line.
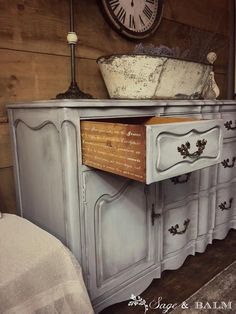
(184,149)
(177,180)
(174,229)
(225,163)
(223,205)
(228,125)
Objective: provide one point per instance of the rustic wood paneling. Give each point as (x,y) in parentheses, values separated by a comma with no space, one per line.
(221,80)
(35,25)
(7,191)
(210,15)
(41,26)
(5,147)
(29,76)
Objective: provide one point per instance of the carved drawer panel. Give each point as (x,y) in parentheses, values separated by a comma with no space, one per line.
(229,124)
(154,149)
(227,167)
(225,204)
(179,227)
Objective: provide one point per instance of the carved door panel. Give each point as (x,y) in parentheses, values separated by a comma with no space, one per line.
(119,231)
(41,180)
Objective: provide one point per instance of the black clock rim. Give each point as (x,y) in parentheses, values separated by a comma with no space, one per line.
(118,27)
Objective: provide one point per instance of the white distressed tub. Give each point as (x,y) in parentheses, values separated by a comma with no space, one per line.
(153,77)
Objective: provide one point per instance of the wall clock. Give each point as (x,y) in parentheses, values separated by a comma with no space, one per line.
(135,19)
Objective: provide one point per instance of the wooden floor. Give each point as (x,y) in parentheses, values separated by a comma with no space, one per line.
(176,286)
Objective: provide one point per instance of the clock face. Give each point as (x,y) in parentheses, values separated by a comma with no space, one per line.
(133,18)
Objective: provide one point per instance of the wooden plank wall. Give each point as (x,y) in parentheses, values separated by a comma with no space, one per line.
(34,57)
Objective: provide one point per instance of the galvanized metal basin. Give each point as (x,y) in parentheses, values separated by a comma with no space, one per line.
(153,77)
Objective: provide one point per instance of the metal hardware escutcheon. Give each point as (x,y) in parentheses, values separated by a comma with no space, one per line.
(174,229)
(223,205)
(225,163)
(177,180)
(184,149)
(228,125)
(154,215)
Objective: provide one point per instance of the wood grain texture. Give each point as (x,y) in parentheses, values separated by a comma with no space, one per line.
(210,15)
(7,191)
(5,146)
(116,148)
(29,76)
(221,80)
(39,26)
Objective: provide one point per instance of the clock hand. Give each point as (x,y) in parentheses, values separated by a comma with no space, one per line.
(132,3)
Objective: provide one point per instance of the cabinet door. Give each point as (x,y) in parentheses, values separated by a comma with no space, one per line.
(119,231)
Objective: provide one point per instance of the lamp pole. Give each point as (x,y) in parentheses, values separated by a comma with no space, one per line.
(73,91)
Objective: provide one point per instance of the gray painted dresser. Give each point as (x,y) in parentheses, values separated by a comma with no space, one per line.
(124,232)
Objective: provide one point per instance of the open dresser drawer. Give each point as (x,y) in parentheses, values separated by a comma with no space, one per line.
(151,149)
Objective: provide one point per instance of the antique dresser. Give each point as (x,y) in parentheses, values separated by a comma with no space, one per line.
(165,191)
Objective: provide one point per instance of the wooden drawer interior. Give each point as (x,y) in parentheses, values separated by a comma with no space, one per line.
(119,145)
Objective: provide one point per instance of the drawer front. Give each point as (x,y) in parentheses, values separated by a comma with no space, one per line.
(180,227)
(229,124)
(177,148)
(227,167)
(225,204)
(180,187)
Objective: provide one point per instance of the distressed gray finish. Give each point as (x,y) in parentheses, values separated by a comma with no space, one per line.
(163,160)
(119,229)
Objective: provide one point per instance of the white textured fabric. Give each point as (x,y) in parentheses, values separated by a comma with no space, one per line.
(38,274)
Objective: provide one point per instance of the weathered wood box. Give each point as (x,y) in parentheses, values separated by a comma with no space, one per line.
(151,149)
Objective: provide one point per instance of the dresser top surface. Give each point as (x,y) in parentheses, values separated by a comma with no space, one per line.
(108,103)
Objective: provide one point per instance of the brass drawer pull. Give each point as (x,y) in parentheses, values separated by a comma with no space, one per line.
(228,125)
(184,149)
(174,229)
(177,180)
(225,163)
(223,205)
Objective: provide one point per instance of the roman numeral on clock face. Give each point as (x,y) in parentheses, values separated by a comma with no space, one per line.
(114,4)
(141,20)
(148,12)
(131,21)
(121,15)
(150,1)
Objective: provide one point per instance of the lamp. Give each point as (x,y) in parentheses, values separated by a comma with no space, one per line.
(73,91)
